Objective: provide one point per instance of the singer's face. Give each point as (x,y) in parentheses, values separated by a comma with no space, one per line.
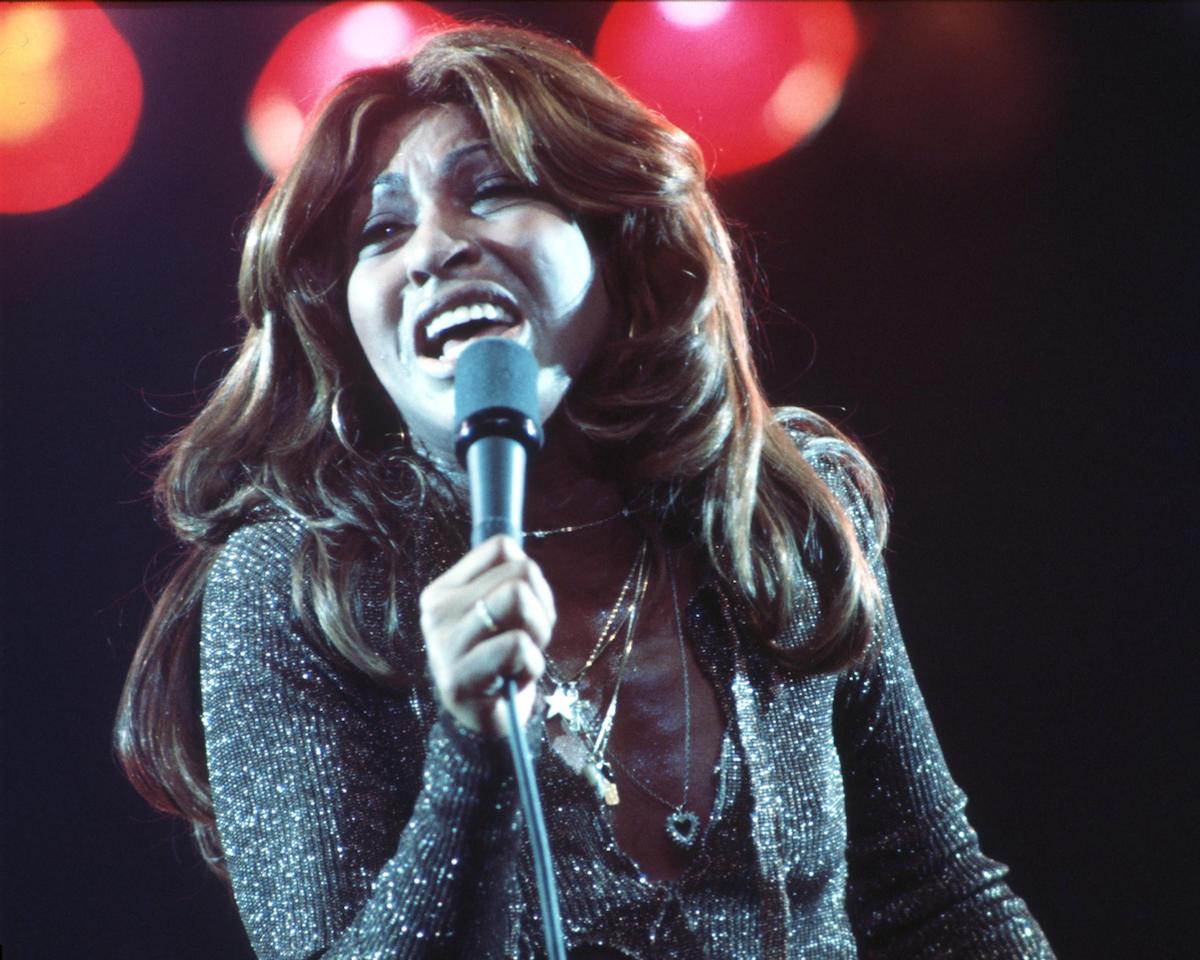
(451,247)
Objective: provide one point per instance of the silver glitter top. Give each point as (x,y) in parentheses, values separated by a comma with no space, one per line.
(358,822)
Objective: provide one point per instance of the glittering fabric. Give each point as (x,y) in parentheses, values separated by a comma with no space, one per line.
(358,822)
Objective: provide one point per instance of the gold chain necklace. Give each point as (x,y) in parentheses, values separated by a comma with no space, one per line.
(579,717)
(540,534)
(608,632)
(683,825)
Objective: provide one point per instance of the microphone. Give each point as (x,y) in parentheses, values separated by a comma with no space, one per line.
(496,431)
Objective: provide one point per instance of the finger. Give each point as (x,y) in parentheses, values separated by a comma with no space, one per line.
(442,606)
(541,586)
(491,553)
(516,605)
(470,616)
(517,567)
(445,600)
(512,654)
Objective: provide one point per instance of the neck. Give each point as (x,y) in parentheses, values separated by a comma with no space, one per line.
(565,488)
(590,545)
(564,485)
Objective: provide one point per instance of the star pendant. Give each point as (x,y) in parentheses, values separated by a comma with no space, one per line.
(561,701)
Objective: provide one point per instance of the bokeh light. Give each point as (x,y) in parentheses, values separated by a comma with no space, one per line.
(70,99)
(314,55)
(695,13)
(748,80)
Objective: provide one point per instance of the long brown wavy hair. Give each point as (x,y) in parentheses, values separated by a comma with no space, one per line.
(300,424)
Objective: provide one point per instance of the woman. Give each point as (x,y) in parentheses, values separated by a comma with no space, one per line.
(733,756)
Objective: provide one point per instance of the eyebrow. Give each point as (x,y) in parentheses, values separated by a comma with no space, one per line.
(392,180)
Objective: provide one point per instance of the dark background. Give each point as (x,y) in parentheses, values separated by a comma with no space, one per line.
(1008,327)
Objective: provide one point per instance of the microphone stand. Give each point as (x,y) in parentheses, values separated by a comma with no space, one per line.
(489,448)
(531,806)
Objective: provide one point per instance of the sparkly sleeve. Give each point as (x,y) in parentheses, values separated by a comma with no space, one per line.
(919,886)
(351,826)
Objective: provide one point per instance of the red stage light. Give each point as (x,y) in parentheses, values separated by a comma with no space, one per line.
(70,98)
(314,55)
(747,80)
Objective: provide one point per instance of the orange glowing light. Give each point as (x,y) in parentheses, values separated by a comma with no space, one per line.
(70,98)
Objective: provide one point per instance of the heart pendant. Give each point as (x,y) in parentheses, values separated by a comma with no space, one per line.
(682,828)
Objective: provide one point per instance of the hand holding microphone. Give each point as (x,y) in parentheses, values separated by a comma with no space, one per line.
(491,614)
(488,618)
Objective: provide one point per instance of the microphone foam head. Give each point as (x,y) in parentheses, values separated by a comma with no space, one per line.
(495,372)
(496,378)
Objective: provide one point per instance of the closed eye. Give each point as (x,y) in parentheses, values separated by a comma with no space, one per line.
(497,193)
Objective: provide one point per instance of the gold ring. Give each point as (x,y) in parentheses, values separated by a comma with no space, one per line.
(485,615)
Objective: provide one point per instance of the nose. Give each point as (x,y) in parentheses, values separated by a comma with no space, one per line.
(438,246)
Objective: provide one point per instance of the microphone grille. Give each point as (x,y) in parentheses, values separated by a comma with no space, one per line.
(495,372)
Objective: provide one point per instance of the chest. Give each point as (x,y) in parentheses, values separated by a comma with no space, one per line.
(649,718)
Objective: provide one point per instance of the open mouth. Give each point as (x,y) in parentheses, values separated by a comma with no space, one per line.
(447,334)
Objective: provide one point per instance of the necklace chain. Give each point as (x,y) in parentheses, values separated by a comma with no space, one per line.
(578,716)
(687,722)
(610,629)
(682,825)
(539,534)
(600,746)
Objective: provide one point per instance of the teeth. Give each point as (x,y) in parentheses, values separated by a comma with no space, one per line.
(464,314)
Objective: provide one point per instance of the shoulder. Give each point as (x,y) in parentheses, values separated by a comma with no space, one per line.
(250,582)
(842,467)
(282,590)
(253,629)
(825,448)
(260,551)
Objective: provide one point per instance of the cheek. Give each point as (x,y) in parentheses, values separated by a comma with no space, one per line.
(356,300)
(559,258)
(364,306)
